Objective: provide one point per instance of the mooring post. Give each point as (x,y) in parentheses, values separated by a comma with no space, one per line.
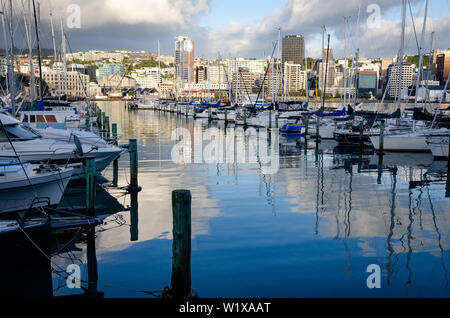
(99,119)
(276,121)
(103,120)
(361,132)
(181,248)
(381,138)
(107,127)
(226,116)
(134,231)
(91,174)
(245,118)
(116,161)
(306,120)
(209,113)
(133,163)
(447,184)
(270,118)
(317,129)
(88,120)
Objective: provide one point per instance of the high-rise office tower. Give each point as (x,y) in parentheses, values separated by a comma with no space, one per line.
(184,59)
(293,49)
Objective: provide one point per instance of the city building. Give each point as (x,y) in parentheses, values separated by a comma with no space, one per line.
(293,49)
(294,77)
(393,76)
(217,72)
(116,81)
(443,66)
(201,74)
(367,81)
(245,82)
(184,59)
(70,85)
(111,69)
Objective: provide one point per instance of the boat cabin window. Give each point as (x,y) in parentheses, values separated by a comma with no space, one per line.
(50,118)
(32,118)
(25,119)
(40,119)
(16,132)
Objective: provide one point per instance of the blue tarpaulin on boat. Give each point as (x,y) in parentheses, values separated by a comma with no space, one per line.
(40,105)
(339,113)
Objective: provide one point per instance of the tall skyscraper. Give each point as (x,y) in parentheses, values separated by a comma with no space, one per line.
(184,59)
(293,49)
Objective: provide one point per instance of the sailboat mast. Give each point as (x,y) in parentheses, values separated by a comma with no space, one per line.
(159,70)
(12,80)
(422,39)
(322,70)
(36,26)
(345,60)
(55,56)
(63,60)
(326,73)
(400,55)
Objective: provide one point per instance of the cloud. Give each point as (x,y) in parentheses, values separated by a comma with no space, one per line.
(306,17)
(138,24)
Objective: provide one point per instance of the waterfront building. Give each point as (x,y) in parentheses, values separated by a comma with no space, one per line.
(184,59)
(393,74)
(294,77)
(367,82)
(443,66)
(293,49)
(71,85)
(111,69)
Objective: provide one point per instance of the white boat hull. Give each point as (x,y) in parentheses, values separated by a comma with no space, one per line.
(18,195)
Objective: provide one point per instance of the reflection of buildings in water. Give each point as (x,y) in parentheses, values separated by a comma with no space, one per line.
(354,205)
(158,177)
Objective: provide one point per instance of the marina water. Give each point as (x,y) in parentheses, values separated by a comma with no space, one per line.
(309,230)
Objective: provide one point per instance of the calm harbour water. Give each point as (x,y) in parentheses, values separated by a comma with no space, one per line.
(310,230)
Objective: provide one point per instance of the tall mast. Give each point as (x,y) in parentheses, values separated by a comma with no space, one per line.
(422,39)
(326,73)
(12,80)
(63,60)
(36,26)
(159,70)
(6,48)
(323,59)
(345,60)
(26,19)
(55,56)
(400,55)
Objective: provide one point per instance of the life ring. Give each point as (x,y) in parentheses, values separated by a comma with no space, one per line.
(366,128)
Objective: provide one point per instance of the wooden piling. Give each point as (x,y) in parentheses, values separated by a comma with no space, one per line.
(181,248)
(133,163)
(276,121)
(88,121)
(381,138)
(306,121)
(107,127)
(91,174)
(209,113)
(245,117)
(116,161)
(447,184)
(317,129)
(361,133)
(270,119)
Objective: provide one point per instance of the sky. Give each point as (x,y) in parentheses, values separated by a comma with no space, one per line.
(239,28)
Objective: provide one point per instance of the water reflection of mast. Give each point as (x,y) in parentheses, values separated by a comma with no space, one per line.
(347,222)
(392,226)
(439,235)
